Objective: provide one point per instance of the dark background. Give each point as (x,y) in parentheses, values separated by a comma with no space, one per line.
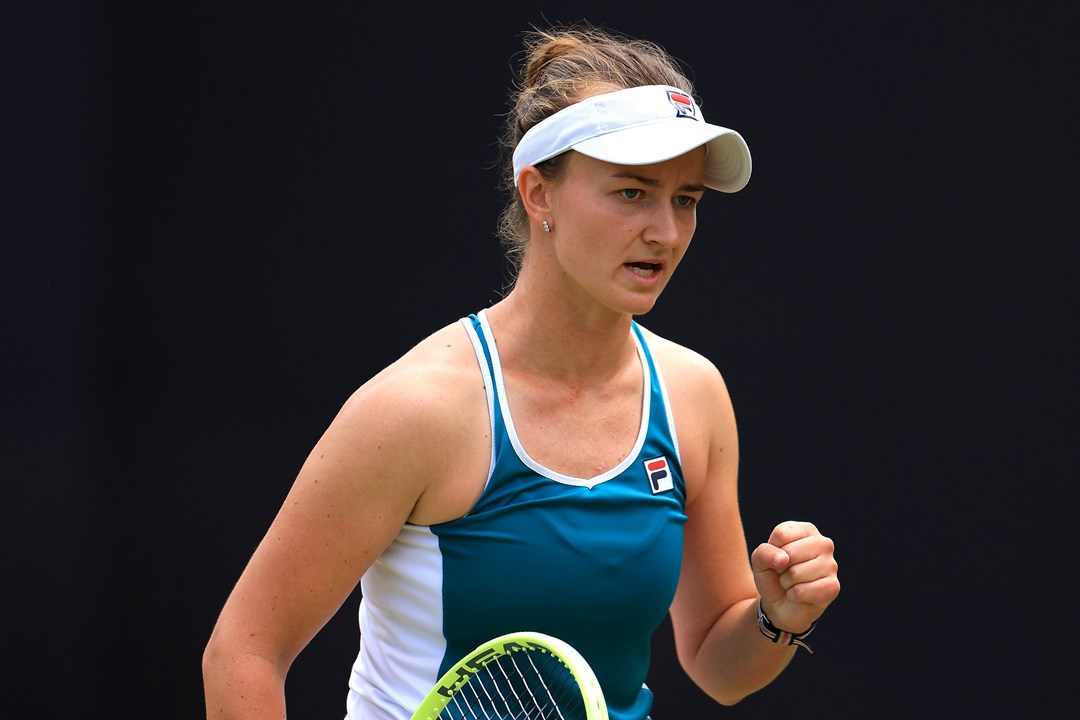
(218,219)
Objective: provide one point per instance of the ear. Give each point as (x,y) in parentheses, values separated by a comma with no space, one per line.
(534,191)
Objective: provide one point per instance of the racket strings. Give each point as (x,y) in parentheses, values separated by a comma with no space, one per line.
(524,685)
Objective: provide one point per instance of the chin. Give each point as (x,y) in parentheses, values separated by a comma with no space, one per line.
(642,306)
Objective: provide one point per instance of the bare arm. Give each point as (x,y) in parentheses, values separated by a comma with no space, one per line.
(714,614)
(361,482)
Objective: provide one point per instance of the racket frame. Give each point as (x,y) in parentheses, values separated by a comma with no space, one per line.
(461,672)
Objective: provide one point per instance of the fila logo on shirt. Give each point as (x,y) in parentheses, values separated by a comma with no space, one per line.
(659,473)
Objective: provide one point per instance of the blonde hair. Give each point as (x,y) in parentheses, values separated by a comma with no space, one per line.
(562,66)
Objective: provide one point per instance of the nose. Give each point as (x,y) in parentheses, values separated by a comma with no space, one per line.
(666,227)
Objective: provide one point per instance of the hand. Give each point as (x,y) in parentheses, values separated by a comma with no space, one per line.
(795,573)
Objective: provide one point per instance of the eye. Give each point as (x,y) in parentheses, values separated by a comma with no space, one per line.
(686,201)
(631,193)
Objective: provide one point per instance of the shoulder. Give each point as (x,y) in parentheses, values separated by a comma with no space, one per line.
(703,414)
(420,387)
(416,426)
(687,373)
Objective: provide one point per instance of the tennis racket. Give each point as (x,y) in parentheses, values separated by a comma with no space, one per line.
(518,676)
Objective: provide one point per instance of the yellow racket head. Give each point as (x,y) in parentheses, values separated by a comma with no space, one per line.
(514,671)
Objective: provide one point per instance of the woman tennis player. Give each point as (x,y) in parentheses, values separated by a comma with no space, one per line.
(547,463)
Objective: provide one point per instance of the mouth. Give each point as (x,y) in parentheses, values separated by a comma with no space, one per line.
(644,269)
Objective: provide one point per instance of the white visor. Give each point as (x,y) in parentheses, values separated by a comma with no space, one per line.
(638,126)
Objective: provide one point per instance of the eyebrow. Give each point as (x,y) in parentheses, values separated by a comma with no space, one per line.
(652,182)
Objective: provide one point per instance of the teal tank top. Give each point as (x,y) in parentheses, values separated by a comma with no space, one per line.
(592,561)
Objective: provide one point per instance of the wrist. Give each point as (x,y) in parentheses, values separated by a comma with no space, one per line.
(782,637)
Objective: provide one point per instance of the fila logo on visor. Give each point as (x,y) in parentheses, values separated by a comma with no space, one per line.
(660,479)
(684,105)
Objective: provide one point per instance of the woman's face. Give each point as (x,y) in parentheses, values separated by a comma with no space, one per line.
(619,231)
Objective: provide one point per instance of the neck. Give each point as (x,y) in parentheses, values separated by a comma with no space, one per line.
(548,334)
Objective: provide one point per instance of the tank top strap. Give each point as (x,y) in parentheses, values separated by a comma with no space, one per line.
(660,415)
(474,327)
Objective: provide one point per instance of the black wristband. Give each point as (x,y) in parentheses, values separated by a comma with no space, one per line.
(782,637)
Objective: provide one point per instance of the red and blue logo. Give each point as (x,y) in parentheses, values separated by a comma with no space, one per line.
(659,473)
(684,104)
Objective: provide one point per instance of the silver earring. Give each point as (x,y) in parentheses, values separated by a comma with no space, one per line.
(547,227)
